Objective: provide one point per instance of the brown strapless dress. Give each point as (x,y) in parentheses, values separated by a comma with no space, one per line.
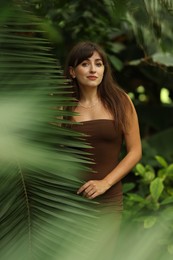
(106,144)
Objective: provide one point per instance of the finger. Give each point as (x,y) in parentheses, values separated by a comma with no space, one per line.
(83,187)
(88,194)
(94,195)
(87,190)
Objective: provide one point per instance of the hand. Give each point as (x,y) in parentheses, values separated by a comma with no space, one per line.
(94,188)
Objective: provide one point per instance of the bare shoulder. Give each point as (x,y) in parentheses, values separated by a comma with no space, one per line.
(129,104)
(131,115)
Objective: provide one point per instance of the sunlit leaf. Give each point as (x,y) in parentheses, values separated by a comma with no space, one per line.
(149,222)
(163,58)
(156,188)
(140,169)
(162,161)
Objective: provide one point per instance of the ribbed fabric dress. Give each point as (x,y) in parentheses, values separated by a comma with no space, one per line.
(106,142)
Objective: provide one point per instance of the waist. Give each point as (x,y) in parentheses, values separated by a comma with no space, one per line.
(112,198)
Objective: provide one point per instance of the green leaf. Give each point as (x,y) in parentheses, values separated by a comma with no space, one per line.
(128,186)
(135,62)
(149,176)
(162,173)
(117,63)
(116,47)
(169,170)
(40,161)
(162,161)
(156,188)
(149,222)
(167,201)
(163,58)
(140,169)
(149,168)
(136,197)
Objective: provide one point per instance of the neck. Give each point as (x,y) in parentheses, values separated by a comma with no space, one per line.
(89,96)
(88,101)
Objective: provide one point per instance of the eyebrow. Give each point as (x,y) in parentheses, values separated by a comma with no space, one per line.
(99,59)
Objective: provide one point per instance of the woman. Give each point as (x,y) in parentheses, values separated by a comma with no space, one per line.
(107,117)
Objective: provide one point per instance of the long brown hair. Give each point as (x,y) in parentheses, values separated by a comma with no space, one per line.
(112,96)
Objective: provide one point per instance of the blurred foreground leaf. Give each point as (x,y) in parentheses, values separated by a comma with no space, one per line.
(39,163)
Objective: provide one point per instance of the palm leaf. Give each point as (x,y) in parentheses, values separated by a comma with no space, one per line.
(40,160)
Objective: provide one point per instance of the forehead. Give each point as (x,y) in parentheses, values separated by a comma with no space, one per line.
(84,54)
(95,56)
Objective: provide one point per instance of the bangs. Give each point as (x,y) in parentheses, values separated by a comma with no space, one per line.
(83,51)
(84,54)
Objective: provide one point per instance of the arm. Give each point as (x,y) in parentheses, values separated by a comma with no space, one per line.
(94,188)
(134,151)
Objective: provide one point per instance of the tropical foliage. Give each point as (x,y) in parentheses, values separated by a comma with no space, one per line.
(149,200)
(137,36)
(41,215)
(39,160)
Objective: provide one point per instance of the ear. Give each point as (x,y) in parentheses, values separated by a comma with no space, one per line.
(72,72)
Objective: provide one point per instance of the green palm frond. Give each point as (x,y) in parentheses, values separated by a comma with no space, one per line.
(40,160)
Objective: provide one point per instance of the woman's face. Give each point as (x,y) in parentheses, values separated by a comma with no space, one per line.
(89,73)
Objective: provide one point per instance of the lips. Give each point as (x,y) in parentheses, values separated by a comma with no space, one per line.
(92,77)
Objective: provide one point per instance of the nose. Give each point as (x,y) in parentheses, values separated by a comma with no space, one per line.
(92,68)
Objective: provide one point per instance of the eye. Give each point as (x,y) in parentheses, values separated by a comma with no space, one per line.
(84,64)
(99,64)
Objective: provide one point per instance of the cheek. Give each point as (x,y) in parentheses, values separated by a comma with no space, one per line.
(102,73)
(79,72)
